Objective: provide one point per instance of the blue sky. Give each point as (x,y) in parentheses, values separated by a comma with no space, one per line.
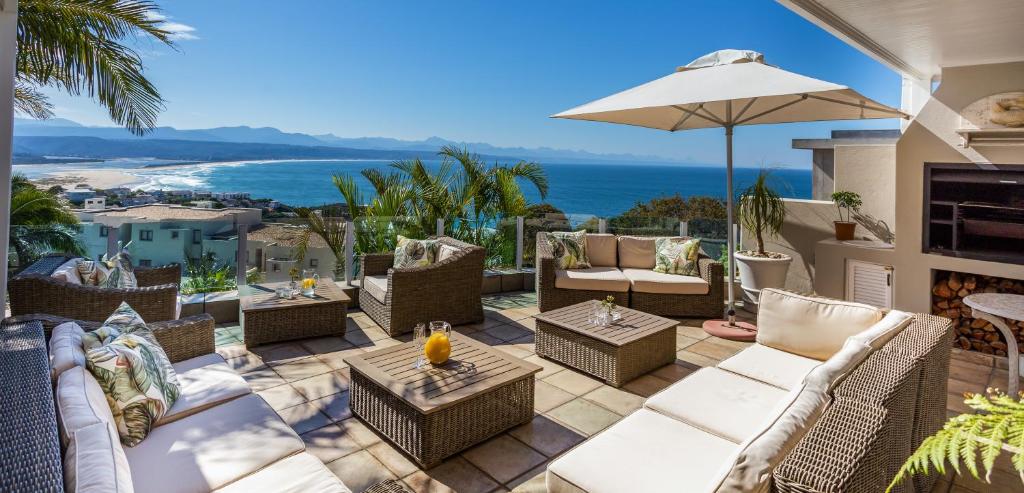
(479,71)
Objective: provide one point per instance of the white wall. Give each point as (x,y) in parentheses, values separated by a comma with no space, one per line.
(8,48)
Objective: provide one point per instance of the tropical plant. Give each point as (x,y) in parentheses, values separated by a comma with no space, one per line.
(330,229)
(849,201)
(761,210)
(998,425)
(78,46)
(205,275)
(40,224)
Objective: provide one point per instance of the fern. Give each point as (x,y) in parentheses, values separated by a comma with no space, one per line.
(998,425)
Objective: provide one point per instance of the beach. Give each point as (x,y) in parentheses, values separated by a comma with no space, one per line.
(93,178)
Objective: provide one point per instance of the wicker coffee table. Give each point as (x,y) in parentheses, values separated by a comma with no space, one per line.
(267,318)
(634,345)
(433,412)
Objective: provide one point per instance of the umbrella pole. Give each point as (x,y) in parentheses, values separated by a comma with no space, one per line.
(731,239)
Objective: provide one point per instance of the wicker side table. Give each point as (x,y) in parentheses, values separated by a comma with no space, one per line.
(267,318)
(626,349)
(436,411)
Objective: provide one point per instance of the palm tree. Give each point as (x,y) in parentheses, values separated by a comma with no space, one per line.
(77,46)
(41,224)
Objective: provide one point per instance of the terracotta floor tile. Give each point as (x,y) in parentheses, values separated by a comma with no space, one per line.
(574,382)
(646,385)
(616,400)
(321,345)
(279,354)
(683,342)
(673,372)
(698,360)
(359,432)
(360,470)
(281,397)
(546,436)
(334,406)
(321,385)
(713,349)
(329,443)
(304,417)
(507,332)
(584,416)
(534,481)
(263,378)
(246,363)
(503,458)
(692,332)
(455,475)
(550,367)
(336,359)
(303,368)
(547,397)
(392,459)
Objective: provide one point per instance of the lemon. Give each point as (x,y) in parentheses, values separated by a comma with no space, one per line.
(308,284)
(437,349)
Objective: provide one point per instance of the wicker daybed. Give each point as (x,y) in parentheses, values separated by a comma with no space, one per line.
(449,290)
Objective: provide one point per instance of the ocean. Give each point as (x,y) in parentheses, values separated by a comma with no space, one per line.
(579,189)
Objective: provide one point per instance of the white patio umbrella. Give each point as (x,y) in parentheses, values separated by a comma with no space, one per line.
(725,89)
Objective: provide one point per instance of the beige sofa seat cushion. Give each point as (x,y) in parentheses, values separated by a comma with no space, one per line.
(95,462)
(376,286)
(66,349)
(213,448)
(299,473)
(603,250)
(648,281)
(205,382)
(810,326)
(771,366)
(644,452)
(80,402)
(636,252)
(721,403)
(592,279)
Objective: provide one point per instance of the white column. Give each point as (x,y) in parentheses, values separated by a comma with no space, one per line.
(914,94)
(602,226)
(440,227)
(8,48)
(684,228)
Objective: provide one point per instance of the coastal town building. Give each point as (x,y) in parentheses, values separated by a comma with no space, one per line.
(272,248)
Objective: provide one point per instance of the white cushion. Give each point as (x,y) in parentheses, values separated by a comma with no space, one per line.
(771,366)
(376,286)
(68,272)
(299,473)
(95,462)
(810,326)
(205,381)
(882,332)
(444,252)
(592,279)
(66,349)
(80,402)
(644,452)
(721,403)
(602,250)
(648,281)
(848,358)
(213,448)
(637,252)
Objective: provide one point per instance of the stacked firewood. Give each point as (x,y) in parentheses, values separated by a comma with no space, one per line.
(975,334)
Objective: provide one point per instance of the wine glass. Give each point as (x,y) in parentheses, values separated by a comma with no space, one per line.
(419,334)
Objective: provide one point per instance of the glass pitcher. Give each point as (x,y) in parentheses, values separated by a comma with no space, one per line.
(439,343)
(309,281)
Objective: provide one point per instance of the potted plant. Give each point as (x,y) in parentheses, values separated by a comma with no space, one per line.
(850,202)
(761,212)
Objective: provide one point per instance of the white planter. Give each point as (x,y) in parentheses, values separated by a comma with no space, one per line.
(757,273)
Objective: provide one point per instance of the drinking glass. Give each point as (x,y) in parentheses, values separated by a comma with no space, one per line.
(419,334)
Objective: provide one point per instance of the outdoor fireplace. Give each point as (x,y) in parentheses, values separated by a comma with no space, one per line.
(948,292)
(974,211)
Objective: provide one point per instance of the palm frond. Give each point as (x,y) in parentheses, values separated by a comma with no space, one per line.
(30,101)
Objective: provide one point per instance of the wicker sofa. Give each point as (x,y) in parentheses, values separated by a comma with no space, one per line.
(33,290)
(195,447)
(622,267)
(449,290)
(838,411)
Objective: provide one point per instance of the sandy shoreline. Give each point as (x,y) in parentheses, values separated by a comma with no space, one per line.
(94,178)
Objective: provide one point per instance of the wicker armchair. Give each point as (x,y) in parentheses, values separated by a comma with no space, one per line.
(34,291)
(448,290)
(711,304)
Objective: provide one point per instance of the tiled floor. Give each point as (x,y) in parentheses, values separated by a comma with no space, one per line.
(307,383)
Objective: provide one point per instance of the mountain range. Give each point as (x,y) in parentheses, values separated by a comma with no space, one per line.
(66,138)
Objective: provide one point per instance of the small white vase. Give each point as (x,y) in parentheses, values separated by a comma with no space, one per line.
(757,273)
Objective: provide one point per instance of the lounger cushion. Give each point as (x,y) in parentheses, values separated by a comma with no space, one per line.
(80,402)
(636,252)
(376,286)
(68,272)
(299,473)
(205,381)
(593,279)
(213,448)
(644,452)
(648,281)
(721,403)
(810,326)
(771,366)
(95,462)
(602,249)
(66,349)
(885,329)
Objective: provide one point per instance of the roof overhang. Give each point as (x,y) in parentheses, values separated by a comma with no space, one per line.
(918,38)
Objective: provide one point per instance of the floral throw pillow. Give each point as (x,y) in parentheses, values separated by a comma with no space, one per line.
(676,256)
(134,373)
(569,249)
(415,253)
(93,273)
(122,274)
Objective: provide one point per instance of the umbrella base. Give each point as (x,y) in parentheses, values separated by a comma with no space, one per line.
(740,331)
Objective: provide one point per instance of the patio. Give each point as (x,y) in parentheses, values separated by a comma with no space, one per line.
(306,382)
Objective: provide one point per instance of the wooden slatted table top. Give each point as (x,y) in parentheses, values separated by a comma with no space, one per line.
(264,297)
(472,368)
(634,324)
